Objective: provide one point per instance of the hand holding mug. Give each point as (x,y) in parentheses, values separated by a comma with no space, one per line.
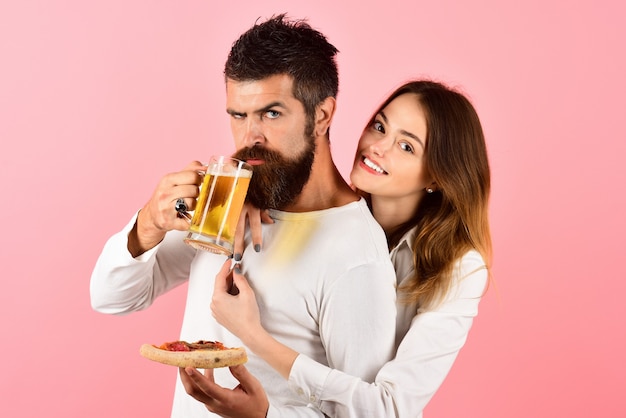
(159,215)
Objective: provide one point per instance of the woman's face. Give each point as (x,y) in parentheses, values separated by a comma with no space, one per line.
(389,161)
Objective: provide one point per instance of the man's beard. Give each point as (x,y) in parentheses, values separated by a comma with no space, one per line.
(278,181)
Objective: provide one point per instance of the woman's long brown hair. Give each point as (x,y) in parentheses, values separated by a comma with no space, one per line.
(454,218)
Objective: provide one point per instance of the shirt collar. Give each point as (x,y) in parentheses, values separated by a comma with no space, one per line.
(407,240)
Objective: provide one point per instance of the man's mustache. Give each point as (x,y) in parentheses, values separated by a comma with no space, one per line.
(257,153)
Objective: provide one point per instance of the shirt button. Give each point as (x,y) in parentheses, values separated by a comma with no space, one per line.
(312,398)
(300,391)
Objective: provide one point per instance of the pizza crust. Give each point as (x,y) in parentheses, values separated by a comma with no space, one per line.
(200,359)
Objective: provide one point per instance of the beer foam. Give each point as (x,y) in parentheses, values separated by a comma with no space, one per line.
(243,172)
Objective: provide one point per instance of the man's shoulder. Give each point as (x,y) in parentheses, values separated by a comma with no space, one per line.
(355,214)
(336,232)
(354,227)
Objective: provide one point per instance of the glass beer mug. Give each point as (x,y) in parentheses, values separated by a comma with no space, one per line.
(219,205)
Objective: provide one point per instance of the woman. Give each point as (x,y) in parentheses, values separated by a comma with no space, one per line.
(422,165)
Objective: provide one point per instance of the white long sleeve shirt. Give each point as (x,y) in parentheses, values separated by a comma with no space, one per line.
(324,284)
(429,341)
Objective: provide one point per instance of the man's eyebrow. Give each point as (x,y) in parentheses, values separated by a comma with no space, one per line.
(271,105)
(264,109)
(232,112)
(402,131)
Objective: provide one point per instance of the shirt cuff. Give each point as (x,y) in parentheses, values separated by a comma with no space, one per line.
(121,241)
(307,379)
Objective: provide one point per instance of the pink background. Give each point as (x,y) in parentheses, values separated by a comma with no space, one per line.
(99,99)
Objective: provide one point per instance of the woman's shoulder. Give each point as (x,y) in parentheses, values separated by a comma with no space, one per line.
(471,274)
(471,260)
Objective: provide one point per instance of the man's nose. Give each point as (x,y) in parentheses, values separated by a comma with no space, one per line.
(253,134)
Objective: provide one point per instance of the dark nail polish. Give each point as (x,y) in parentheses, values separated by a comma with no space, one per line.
(257,247)
(237,257)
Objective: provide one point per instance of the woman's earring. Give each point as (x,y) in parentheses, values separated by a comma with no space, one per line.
(429,190)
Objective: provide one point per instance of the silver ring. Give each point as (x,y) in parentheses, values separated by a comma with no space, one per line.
(180,206)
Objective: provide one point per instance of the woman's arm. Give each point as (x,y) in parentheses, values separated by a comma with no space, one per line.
(403,386)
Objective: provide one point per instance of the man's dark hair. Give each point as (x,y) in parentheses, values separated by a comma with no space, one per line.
(292,47)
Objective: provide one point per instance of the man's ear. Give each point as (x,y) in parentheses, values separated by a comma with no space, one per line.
(324,116)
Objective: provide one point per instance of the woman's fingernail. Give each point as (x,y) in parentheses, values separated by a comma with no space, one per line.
(237,257)
(257,247)
(237,269)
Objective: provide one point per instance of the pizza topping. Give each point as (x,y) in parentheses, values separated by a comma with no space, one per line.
(198,345)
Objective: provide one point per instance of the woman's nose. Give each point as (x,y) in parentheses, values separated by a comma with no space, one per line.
(381,146)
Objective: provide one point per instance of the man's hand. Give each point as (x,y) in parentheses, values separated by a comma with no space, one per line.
(159,215)
(246,400)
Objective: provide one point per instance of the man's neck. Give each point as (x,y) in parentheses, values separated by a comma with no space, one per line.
(326,187)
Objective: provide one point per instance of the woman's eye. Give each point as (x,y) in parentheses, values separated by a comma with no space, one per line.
(378,127)
(406,147)
(272,114)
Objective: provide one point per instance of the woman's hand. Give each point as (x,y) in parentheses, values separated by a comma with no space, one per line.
(234,304)
(234,307)
(253,217)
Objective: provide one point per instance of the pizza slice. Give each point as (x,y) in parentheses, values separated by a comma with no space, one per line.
(201,354)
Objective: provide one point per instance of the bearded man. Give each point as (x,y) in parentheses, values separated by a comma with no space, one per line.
(324,281)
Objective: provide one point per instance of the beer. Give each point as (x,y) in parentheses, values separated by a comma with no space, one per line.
(218,207)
